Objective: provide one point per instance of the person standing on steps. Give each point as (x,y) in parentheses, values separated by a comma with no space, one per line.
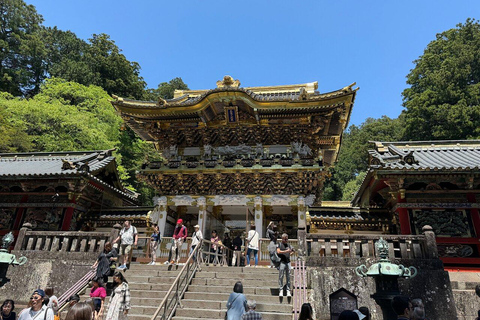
(215,240)
(179,236)
(284,250)
(236,303)
(120,299)
(272,246)
(252,238)
(129,238)
(155,239)
(197,238)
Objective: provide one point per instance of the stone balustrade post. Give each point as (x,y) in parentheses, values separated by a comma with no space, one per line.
(302,244)
(114,232)
(431,250)
(21,236)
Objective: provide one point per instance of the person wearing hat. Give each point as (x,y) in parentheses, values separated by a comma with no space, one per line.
(129,237)
(38,310)
(179,236)
(197,237)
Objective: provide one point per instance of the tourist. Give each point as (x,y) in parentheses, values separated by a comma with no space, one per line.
(179,236)
(7,310)
(252,238)
(129,238)
(306,312)
(348,315)
(284,250)
(73,300)
(237,244)
(155,239)
(272,247)
(214,247)
(120,299)
(80,311)
(98,293)
(236,303)
(402,307)
(105,262)
(197,238)
(227,246)
(38,310)
(52,301)
(365,312)
(418,309)
(251,314)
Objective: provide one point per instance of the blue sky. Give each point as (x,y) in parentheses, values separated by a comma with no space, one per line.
(336,42)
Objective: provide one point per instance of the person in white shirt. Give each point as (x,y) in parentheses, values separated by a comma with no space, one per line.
(197,237)
(37,310)
(253,239)
(129,238)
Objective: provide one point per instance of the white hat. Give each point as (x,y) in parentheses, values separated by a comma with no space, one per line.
(360,315)
(197,226)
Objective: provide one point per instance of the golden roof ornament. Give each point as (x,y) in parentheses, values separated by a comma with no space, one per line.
(228,82)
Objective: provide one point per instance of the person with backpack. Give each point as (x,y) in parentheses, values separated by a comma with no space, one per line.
(253,244)
(129,238)
(284,249)
(179,236)
(197,237)
(38,311)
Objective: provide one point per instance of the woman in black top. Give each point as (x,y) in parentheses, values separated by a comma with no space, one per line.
(7,310)
(272,247)
(104,261)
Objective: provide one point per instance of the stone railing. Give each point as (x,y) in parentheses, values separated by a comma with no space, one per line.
(363,246)
(51,242)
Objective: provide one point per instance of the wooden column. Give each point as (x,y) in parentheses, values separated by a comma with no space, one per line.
(202,213)
(403,215)
(19,214)
(259,216)
(162,214)
(68,215)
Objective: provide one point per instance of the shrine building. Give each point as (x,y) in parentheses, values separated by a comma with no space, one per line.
(233,155)
(56,191)
(435,183)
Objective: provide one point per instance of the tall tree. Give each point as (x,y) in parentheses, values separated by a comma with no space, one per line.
(166,90)
(21,49)
(443,100)
(353,157)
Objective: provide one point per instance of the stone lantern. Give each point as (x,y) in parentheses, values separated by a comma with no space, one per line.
(6,258)
(386,276)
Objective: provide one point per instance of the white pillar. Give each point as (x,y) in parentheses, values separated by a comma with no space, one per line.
(259,216)
(302,217)
(202,213)
(160,213)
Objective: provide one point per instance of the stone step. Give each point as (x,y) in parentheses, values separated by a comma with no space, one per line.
(231,282)
(236,275)
(236,270)
(272,290)
(150,279)
(267,306)
(223,297)
(462,285)
(216,314)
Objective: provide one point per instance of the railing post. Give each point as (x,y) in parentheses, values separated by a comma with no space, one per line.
(302,243)
(114,232)
(21,236)
(431,250)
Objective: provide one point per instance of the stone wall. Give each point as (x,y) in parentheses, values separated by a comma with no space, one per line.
(58,269)
(327,275)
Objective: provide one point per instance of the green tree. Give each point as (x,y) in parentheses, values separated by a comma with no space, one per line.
(352,186)
(21,49)
(165,90)
(443,100)
(353,156)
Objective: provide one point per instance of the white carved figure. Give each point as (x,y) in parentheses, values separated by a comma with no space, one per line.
(259,149)
(309,200)
(230,200)
(207,151)
(183,200)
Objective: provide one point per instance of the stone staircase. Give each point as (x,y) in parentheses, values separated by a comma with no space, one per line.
(207,296)
(148,286)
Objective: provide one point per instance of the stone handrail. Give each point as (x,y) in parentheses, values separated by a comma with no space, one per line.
(363,246)
(61,241)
